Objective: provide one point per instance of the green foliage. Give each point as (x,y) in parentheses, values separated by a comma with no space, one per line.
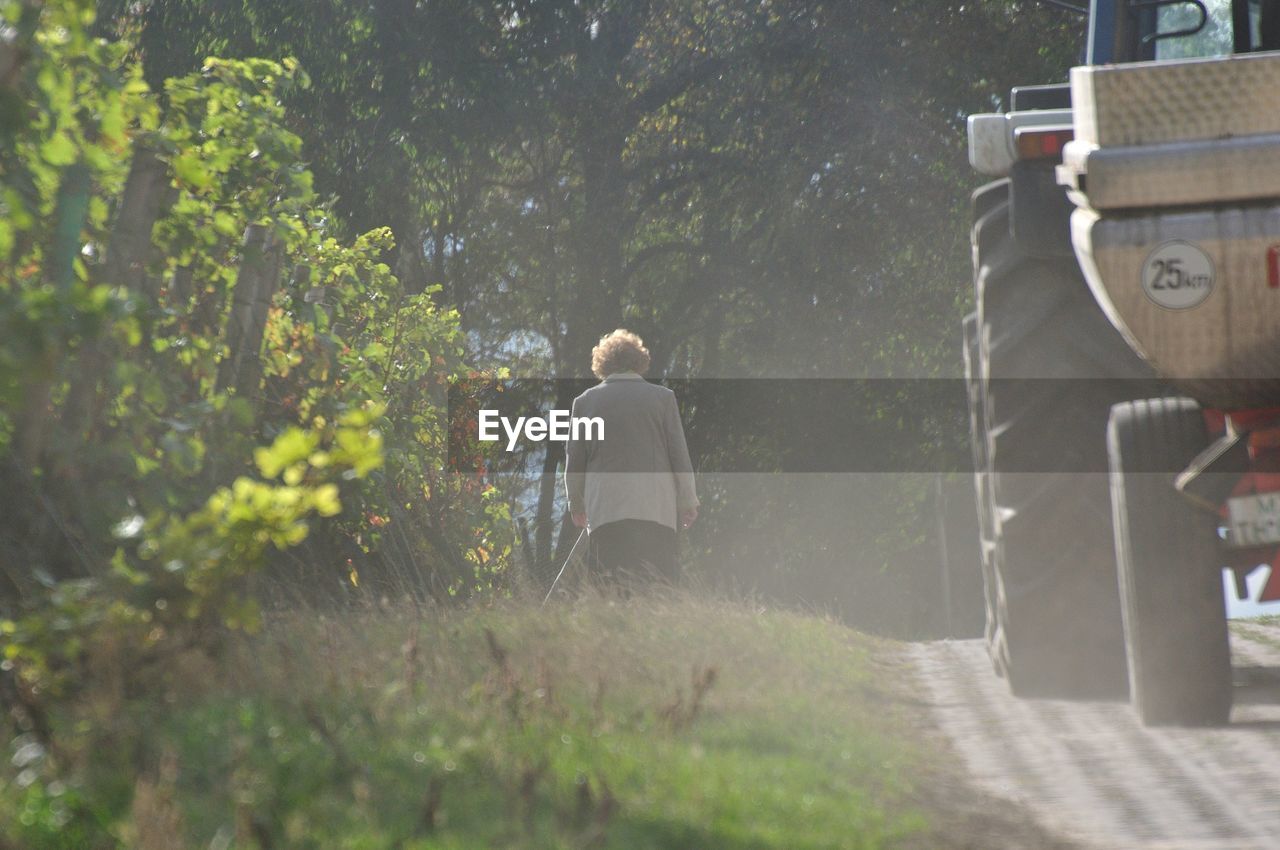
(70,100)
(221,375)
(759,189)
(115,401)
(203,385)
(196,560)
(69,109)
(177,577)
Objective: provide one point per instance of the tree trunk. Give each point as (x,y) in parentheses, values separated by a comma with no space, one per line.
(543,522)
(141,205)
(597,309)
(409,266)
(32,421)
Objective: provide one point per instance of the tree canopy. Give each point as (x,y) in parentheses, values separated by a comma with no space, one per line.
(264,215)
(760,189)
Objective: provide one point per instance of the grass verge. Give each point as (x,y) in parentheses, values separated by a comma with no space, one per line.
(651,723)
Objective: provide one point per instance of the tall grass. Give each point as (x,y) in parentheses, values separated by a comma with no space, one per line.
(659,721)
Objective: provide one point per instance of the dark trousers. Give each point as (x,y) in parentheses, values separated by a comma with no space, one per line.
(631,551)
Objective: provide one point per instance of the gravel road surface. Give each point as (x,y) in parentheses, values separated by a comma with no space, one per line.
(1090,773)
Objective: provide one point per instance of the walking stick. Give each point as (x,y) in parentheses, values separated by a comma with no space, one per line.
(567,561)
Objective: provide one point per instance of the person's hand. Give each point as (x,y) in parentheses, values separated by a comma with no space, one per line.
(688,517)
(579,519)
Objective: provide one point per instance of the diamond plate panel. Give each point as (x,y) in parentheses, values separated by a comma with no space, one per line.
(1177,174)
(1150,103)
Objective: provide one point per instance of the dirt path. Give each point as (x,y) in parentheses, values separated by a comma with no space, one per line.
(1089,772)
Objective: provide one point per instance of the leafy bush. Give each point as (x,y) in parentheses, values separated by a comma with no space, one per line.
(210,394)
(174,295)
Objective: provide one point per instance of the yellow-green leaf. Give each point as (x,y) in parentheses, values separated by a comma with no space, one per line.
(326,500)
(59,149)
(191,171)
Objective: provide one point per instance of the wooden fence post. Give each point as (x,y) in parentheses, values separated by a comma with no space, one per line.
(141,204)
(256,282)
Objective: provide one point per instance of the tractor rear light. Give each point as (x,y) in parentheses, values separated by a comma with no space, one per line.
(1273,267)
(1042,143)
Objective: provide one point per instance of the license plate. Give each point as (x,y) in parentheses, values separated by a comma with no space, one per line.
(1253,520)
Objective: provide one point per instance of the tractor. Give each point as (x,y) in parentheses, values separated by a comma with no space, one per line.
(1123,360)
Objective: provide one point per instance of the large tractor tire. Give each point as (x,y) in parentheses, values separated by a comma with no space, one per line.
(1050,366)
(981,488)
(1175,619)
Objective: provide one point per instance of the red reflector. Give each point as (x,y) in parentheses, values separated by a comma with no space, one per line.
(1273,267)
(1271,590)
(1266,438)
(1042,144)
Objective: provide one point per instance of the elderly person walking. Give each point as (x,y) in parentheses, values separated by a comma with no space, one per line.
(634,487)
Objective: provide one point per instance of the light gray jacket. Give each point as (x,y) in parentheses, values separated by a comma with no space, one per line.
(641,469)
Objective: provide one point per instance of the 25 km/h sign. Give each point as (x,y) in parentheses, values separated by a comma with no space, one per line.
(1177,275)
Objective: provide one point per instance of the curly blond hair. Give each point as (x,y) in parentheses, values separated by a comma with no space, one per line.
(620,351)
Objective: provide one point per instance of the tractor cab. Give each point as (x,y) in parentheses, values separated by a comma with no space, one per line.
(1156,30)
